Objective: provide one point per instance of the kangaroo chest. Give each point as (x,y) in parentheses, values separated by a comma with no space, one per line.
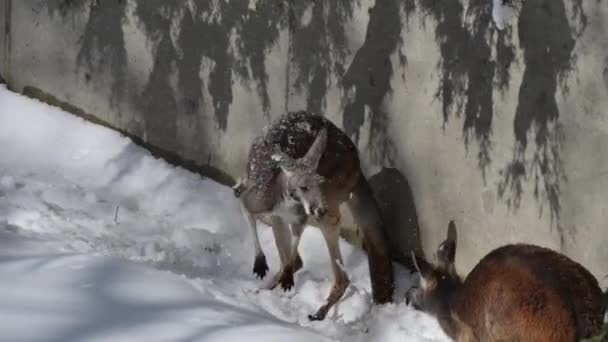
(288,210)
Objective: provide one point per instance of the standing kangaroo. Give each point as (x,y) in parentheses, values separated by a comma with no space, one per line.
(301,170)
(517,292)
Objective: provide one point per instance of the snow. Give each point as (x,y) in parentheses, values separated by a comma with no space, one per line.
(56,296)
(100,241)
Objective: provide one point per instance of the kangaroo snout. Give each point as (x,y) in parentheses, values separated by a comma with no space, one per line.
(318,211)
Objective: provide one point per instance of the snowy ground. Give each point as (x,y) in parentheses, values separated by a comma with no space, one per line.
(101,241)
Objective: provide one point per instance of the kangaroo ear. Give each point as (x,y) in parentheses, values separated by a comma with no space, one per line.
(313,156)
(446,252)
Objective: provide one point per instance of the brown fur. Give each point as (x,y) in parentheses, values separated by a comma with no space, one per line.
(517,292)
(294,133)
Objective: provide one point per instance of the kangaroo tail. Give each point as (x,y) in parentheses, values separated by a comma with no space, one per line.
(366,214)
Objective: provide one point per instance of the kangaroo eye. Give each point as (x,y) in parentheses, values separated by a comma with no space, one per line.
(304,188)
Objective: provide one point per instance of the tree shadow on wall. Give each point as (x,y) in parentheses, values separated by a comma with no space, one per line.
(318,46)
(200,32)
(369,76)
(468,71)
(470,74)
(102,45)
(318,50)
(547,43)
(235,44)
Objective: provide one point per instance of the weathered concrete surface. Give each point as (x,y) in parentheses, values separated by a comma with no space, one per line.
(502,131)
(4,35)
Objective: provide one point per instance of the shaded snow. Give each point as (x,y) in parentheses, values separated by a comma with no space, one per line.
(52,296)
(101,241)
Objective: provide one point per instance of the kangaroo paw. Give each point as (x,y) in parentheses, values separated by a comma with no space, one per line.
(336,293)
(286,279)
(320,314)
(260,267)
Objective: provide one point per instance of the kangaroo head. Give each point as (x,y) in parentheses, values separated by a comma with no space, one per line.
(302,183)
(437,282)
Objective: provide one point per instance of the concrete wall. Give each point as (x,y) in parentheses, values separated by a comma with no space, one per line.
(502,131)
(4,25)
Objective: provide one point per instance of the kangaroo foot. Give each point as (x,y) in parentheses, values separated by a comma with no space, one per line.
(286,279)
(260,267)
(336,293)
(320,314)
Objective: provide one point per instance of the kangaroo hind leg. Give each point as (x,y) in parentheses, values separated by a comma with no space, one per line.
(366,214)
(260,267)
(282,238)
(331,232)
(294,263)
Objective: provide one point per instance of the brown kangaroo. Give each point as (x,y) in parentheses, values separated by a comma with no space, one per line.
(517,292)
(300,171)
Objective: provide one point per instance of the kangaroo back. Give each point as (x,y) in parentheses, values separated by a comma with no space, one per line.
(517,292)
(294,133)
(529,291)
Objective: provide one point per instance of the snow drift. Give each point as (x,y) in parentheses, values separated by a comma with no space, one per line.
(101,241)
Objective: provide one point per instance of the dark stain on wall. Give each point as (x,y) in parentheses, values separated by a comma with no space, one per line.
(370,73)
(547,42)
